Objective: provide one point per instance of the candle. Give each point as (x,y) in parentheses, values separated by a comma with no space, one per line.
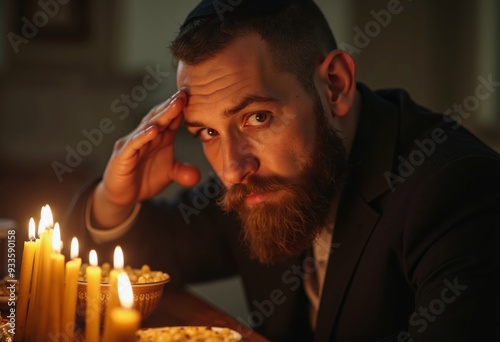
(57,284)
(124,320)
(92,312)
(25,280)
(43,289)
(70,291)
(31,319)
(113,302)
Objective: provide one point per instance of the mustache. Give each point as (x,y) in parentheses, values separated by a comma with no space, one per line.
(234,197)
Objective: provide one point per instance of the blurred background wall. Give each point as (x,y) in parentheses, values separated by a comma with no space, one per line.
(71,68)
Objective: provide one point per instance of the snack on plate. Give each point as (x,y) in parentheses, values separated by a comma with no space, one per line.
(188,334)
(142,275)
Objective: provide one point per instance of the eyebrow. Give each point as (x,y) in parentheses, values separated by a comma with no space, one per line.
(245,102)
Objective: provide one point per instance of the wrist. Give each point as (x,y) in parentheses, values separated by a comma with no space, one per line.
(105,214)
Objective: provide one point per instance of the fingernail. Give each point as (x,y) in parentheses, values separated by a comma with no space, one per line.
(176,93)
(176,100)
(148,128)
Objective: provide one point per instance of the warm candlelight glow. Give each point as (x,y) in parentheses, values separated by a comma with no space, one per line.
(56,239)
(26,279)
(31,229)
(125,293)
(118,258)
(46,220)
(70,291)
(49,219)
(93,258)
(123,320)
(114,301)
(74,248)
(43,220)
(92,312)
(41,226)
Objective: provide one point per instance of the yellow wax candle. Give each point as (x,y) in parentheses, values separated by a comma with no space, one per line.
(43,291)
(57,285)
(113,302)
(123,320)
(30,321)
(70,291)
(33,322)
(92,312)
(25,281)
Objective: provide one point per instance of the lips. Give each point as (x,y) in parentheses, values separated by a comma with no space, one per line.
(256,198)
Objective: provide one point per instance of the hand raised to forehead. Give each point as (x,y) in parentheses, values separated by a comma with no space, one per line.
(142,163)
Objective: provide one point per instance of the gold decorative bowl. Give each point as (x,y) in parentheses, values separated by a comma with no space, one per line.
(146,298)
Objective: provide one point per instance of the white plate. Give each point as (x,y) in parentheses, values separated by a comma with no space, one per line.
(161,334)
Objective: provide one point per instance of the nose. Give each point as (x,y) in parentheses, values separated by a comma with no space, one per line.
(238,162)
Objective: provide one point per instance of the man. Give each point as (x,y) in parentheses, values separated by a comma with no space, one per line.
(350,215)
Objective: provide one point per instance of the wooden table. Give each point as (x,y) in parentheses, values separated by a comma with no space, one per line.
(180,308)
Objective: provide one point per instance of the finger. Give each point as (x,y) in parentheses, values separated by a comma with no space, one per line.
(162,106)
(138,140)
(165,117)
(155,110)
(185,174)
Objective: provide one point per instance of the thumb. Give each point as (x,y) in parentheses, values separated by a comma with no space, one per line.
(185,174)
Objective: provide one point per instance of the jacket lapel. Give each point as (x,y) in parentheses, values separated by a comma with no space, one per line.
(371,157)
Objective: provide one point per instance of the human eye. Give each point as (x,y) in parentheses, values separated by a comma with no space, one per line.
(258,119)
(206,134)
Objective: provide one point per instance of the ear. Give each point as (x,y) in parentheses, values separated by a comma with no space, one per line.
(337,81)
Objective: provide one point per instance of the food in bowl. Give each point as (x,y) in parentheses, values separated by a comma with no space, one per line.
(137,276)
(147,287)
(188,334)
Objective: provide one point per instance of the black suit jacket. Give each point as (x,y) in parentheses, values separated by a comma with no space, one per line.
(415,255)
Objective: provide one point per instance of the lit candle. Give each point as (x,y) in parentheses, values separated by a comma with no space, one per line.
(92,312)
(57,284)
(25,280)
(70,291)
(43,290)
(31,320)
(124,320)
(113,302)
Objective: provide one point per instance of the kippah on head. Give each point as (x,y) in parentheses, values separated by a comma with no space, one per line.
(227,7)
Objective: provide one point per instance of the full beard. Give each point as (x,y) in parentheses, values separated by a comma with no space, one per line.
(286,224)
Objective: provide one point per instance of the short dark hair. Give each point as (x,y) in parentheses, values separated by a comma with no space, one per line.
(298,34)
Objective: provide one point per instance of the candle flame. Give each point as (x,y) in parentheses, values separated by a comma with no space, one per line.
(125,293)
(93,258)
(46,220)
(31,229)
(74,248)
(56,239)
(49,219)
(41,226)
(118,258)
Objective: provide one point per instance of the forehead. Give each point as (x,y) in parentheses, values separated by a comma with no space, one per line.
(244,68)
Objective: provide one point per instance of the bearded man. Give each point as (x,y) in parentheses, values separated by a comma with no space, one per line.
(312,201)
